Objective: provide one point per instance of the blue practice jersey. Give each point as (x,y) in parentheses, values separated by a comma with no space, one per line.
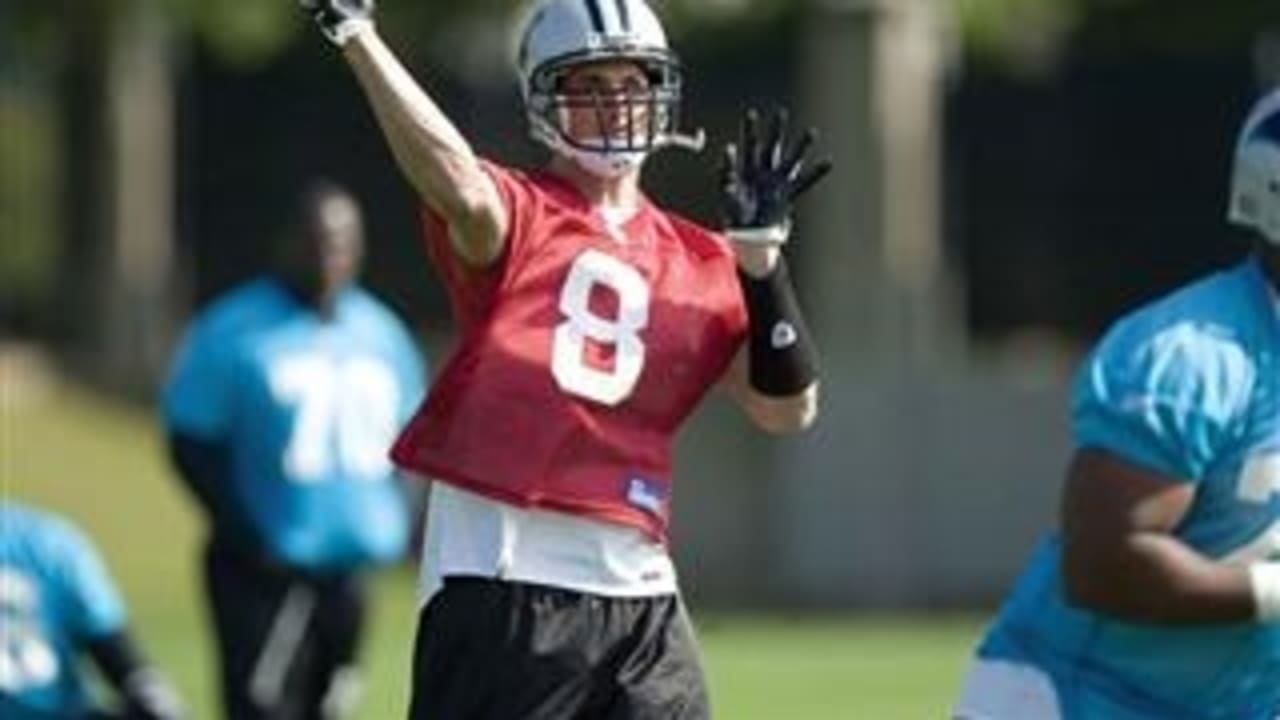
(1190,387)
(55,596)
(307,409)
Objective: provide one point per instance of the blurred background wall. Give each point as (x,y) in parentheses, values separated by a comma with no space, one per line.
(1011,175)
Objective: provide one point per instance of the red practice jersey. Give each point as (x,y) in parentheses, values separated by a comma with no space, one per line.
(581,351)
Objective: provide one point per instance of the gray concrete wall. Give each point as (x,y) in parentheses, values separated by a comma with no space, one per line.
(908,493)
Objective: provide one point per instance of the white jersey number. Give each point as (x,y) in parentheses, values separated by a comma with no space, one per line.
(607,386)
(1259,484)
(26,659)
(345,415)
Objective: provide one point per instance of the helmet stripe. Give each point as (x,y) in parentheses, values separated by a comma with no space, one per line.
(597,18)
(1264,109)
(624,14)
(1268,129)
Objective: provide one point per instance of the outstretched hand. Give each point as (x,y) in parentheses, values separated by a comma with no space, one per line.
(760,179)
(339,20)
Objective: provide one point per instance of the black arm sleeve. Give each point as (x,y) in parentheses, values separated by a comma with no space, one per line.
(204,467)
(147,695)
(783,360)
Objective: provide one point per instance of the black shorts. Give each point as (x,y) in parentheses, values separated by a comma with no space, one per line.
(287,642)
(496,650)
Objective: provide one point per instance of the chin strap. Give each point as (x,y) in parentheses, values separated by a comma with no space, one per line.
(693,142)
(604,163)
(770,235)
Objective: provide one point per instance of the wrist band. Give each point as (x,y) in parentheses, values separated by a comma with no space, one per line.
(783,360)
(1264,579)
(770,235)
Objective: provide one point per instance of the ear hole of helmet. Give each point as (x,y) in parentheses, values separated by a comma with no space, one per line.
(1255,188)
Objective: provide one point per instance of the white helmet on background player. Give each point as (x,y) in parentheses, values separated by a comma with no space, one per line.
(562,34)
(1255,175)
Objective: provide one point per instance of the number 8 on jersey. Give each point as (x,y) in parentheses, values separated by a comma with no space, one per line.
(569,347)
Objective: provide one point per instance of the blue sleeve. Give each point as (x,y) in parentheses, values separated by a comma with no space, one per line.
(197,396)
(1164,399)
(95,608)
(410,364)
(413,371)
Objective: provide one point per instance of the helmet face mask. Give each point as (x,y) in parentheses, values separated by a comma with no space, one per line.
(1255,178)
(629,115)
(624,121)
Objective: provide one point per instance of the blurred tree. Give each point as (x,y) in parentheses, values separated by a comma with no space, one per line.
(26,217)
(1031,35)
(253,32)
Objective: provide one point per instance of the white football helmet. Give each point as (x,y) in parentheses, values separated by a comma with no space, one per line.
(562,34)
(1255,176)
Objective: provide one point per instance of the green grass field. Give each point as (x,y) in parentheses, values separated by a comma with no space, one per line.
(102,463)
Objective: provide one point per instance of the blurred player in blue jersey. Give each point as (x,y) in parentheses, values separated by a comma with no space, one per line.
(283,402)
(58,604)
(1159,598)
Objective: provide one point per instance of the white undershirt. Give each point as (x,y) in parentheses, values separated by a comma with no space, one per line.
(469,534)
(615,217)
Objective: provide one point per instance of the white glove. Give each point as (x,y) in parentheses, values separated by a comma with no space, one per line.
(340,20)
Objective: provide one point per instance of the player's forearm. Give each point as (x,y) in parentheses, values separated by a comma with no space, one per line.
(781,415)
(781,360)
(146,692)
(430,151)
(1155,578)
(204,466)
(778,414)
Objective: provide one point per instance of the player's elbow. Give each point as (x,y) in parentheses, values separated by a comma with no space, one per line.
(477,224)
(1110,595)
(1089,584)
(1080,578)
(1080,589)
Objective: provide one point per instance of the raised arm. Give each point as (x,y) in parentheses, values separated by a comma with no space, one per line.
(433,155)
(775,376)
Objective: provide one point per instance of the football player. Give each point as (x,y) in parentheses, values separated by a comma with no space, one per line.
(57,605)
(1159,596)
(591,323)
(281,403)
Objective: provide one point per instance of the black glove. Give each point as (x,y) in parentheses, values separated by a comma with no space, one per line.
(339,19)
(760,179)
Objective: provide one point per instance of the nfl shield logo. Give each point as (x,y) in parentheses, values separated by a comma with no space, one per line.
(646,495)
